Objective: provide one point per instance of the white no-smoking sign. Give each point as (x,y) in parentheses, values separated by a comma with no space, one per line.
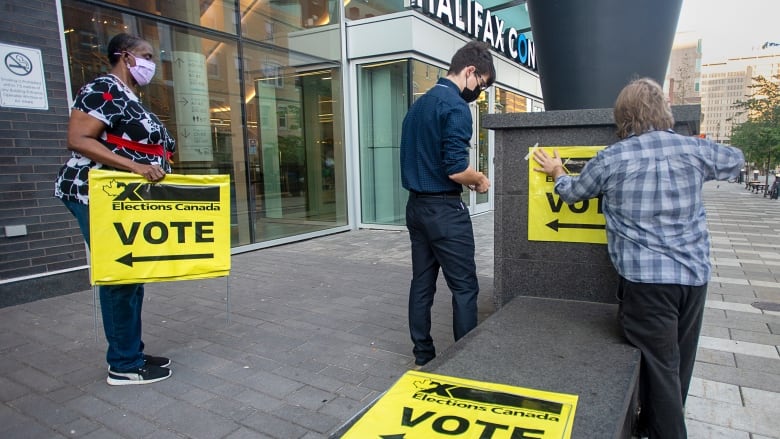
(22,83)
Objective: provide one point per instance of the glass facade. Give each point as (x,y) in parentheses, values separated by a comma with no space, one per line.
(509,102)
(254,89)
(482,162)
(259,100)
(385,93)
(383,98)
(357,9)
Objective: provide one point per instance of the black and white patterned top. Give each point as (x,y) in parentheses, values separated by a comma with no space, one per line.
(109,100)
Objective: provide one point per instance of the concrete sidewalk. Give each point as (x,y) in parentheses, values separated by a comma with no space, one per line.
(317,330)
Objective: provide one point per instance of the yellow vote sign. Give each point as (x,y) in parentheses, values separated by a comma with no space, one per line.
(141,232)
(423,405)
(549,218)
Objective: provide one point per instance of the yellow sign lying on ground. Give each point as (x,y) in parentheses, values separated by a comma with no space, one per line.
(423,405)
(549,218)
(141,232)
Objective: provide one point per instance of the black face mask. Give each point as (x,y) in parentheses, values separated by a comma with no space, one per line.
(470,95)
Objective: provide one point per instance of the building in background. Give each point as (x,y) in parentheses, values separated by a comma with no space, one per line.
(717,86)
(725,83)
(301,107)
(683,75)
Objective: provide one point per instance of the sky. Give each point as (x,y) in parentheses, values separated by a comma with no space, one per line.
(731,28)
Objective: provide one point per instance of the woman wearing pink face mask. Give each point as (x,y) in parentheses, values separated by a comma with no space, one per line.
(110,128)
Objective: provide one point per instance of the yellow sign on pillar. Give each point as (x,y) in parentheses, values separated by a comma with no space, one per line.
(141,232)
(549,218)
(423,405)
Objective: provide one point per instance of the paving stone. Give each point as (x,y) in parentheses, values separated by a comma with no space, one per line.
(127,424)
(344,374)
(35,379)
(271,384)
(245,433)
(362,394)
(228,408)
(714,390)
(194,421)
(319,422)
(702,430)
(760,399)
(64,394)
(310,398)
(342,408)
(10,390)
(32,431)
(274,427)
(764,338)
(78,428)
(764,422)
(739,347)
(741,377)
(757,363)
(102,433)
(10,418)
(89,406)
(258,400)
(716,331)
(46,412)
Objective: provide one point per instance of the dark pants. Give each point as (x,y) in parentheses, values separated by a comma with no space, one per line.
(120,307)
(664,322)
(442,236)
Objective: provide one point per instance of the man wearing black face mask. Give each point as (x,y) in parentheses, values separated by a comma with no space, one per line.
(434,167)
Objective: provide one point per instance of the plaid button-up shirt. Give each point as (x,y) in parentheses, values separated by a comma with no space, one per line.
(652,201)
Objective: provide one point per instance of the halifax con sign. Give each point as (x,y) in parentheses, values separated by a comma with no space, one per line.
(471,18)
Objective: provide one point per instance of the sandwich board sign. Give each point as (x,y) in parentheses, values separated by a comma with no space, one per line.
(423,405)
(175,229)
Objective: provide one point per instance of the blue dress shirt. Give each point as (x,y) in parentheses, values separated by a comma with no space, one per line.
(435,140)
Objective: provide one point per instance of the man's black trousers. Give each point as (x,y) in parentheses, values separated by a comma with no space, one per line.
(442,236)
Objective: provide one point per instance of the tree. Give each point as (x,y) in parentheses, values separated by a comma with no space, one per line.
(759,136)
(683,83)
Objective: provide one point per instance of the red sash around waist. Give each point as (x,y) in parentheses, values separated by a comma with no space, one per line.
(157,150)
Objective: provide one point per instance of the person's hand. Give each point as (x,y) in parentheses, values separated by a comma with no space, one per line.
(152,173)
(552,166)
(483,185)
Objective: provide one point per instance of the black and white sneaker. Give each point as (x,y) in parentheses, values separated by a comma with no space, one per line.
(146,374)
(157,361)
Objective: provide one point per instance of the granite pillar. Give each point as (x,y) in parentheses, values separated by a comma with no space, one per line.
(557,270)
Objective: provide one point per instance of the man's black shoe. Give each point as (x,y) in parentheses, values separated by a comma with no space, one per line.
(157,361)
(422,361)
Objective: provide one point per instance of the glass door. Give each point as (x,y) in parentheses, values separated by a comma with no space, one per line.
(479,156)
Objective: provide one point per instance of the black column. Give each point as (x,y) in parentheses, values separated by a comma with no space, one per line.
(587,50)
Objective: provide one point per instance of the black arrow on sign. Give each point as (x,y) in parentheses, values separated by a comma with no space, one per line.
(128,259)
(555,225)
(393,436)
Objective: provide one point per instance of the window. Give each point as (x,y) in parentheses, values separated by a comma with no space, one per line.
(383,99)
(264,125)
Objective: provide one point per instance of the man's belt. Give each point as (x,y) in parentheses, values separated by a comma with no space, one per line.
(436,195)
(123,143)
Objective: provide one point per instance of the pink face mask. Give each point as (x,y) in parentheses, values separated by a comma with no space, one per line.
(143,70)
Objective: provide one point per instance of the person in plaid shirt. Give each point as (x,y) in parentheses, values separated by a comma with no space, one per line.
(651,183)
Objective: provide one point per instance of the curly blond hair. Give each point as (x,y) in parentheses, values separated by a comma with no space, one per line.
(640,107)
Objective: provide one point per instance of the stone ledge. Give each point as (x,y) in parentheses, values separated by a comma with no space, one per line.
(562,346)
